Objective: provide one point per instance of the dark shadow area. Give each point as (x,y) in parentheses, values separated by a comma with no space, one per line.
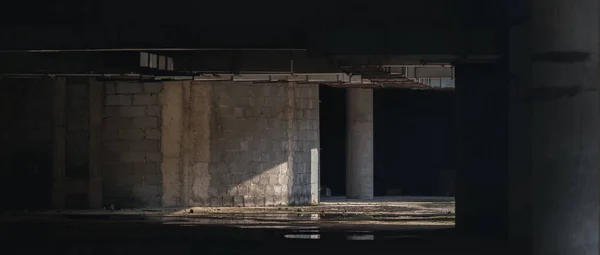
(77,140)
(27,144)
(159,235)
(483,152)
(333,139)
(27,184)
(415,142)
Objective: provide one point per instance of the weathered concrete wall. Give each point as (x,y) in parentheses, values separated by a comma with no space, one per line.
(239,144)
(262,138)
(171,100)
(131,139)
(161,144)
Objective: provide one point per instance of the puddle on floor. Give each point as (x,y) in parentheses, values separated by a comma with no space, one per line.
(316,234)
(302,236)
(266,219)
(361,237)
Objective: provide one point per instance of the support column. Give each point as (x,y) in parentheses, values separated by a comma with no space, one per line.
(565,103)
(58,151)
(95,142)
(359,146)
(315,163)
(519,125)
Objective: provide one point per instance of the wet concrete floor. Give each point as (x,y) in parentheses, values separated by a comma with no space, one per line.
(349,227)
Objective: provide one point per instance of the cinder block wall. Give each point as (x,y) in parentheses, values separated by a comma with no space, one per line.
(210,144)
(162,144)
(239,144)
(261,138)
(131,139)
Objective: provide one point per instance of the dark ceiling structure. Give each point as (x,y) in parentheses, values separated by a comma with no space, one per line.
(265,36)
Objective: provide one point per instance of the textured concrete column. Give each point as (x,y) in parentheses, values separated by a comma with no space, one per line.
(171,142)
(95,143)
(289,143)
(314,157)
(565,126)
(359,146)
(58,151)
(187,148)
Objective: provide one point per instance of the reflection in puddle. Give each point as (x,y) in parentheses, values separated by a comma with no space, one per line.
(279,220)
(360,237)
(313,233)
(302,236)
(235,219)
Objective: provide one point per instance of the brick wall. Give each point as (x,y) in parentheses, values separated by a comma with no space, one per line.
(131,139)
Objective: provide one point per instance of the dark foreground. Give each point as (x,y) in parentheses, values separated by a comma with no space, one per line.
(280,231)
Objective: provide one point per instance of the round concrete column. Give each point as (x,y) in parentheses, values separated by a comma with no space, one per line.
(565,126)
(359,147)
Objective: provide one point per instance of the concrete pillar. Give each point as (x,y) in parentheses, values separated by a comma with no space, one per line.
(188,148)
(359,146)
(291,117)
(519,124)
(95,143)
(565,108)
(314,156)
(58,151)
(171,142)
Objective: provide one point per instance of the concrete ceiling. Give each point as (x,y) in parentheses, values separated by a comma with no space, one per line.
(427,27)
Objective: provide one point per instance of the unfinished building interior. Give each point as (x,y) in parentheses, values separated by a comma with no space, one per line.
(492,102)
(138,144)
